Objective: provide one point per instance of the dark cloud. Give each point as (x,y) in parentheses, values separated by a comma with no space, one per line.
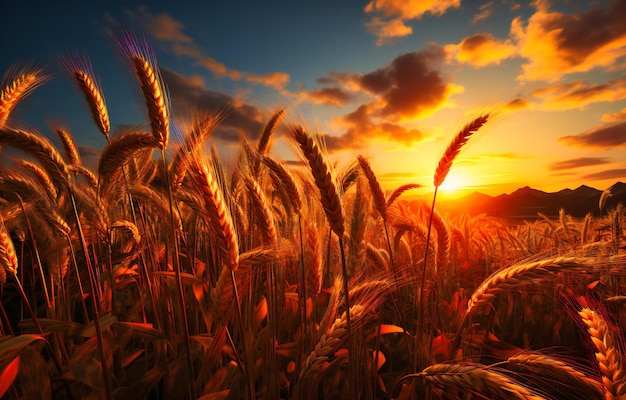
(332,96)
(603,137)
(361,130)
(409,86)
(608,174)
(578,162)
(188,95)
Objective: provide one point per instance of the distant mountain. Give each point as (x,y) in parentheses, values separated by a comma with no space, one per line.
(526,202)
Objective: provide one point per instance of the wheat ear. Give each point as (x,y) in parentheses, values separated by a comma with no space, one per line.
(329,195)
(13,92)
(476,378)
(8,258)
(377,193)
(95,99)
(608,356)
(510,277)
(39,148)
(453,149)
(154,94)
(261,209)
(560,371)
(69,146)
(120,149)
(219,216)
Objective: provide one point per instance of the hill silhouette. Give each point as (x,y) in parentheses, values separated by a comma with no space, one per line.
(526,202)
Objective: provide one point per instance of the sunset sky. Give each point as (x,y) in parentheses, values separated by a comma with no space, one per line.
(390,79)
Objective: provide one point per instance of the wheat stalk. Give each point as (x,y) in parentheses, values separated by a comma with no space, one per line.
(608,356)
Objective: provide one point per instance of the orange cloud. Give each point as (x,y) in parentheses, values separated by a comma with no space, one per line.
(557,44)
(276,79)
(408,88)
(607,137)
(608,174)
(388,31)
(615,117)
(168,30)
(485,12)
(482,49)
(362,130)
(579,94)
(332,96)
(396,12)
(577,163)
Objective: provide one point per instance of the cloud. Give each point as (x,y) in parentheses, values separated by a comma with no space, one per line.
(577,163)
(556,44)
(485,12)
(361,129)
(409,87)
(389,16)
(482,49)
(608,136)
(615,117)
(168,30)
(517,104)
(332,96)
(388,31)
(188,94)
(573,95)
(608,174)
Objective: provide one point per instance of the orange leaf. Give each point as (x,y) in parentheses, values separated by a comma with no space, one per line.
(386,329)
(8,375)
(593,284)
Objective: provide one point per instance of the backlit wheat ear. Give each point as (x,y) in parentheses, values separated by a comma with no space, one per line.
(41,149)
(377,192)
(219,215)
(393,196)
(477,379)
(71,152)
(82,74)
(261,211)
(509,277)
(16,87)
(329,195)
(552,368)
(609,359)
(445,163)
(8,258)
(121,148)
(330,342)
(283,177)
(153,91)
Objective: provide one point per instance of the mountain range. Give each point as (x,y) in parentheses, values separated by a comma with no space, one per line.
(526,203)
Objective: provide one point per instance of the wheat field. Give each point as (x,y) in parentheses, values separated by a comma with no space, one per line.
(166,273)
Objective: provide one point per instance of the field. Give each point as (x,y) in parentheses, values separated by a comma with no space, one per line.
(169,274)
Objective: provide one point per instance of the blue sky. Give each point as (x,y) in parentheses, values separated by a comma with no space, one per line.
(389,79)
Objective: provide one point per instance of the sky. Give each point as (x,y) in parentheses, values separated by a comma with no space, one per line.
(392,80)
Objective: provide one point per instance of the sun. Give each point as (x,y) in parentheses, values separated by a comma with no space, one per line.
(453,183)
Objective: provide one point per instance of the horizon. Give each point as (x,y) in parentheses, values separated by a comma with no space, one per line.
(391,80)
